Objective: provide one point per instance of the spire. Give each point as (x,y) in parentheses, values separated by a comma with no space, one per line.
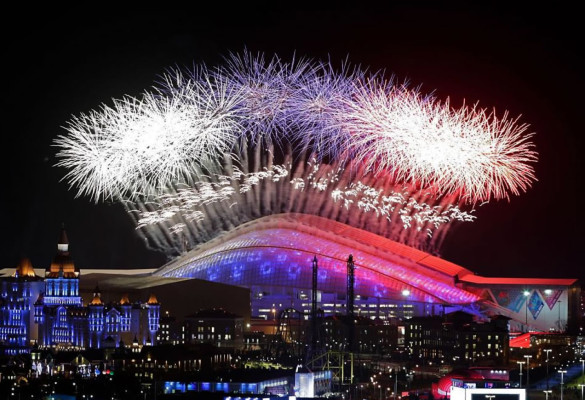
(62,265)
(97,297)
(97,301)
(63,244)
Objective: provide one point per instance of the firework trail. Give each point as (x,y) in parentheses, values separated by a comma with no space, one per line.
(210,149)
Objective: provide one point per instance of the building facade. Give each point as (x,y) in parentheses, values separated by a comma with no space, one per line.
(216,326)
(18,293)
(457,339)
(64,322)
(122,323)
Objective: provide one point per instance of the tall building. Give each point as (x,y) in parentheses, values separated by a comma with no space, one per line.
(65,323)
(59,311)
(18,292)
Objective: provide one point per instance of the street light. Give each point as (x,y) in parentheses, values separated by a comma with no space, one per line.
(581,386)
(562,372)
(547,351)
(521,363)
(582,369)
(527,370)
(546,393)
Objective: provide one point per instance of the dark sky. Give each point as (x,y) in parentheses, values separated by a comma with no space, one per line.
(525,60)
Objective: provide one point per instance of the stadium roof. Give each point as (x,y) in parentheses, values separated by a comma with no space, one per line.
(277,250)
(270,245)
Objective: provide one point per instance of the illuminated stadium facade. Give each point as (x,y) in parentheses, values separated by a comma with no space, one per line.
(273,256)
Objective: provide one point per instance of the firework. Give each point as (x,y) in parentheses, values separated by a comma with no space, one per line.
(209,149)
(314,192)
(395,130)
(138,146)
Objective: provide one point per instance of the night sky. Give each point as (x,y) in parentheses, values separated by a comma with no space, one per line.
(528,61)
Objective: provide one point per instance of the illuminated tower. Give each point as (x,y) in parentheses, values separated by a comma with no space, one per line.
(16,302)
(96,319)
(153,317)
(62,278)
(63,320)
(350,301)
(125,313)
(314,325)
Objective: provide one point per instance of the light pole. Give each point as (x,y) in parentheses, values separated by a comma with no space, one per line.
(526,293)
(527,371)
(520,363)
(547,351)
(562,372)
(581,386)
(546,393)
(582,369)
(396,383)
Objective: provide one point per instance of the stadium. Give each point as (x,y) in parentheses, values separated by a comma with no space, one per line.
(272,256)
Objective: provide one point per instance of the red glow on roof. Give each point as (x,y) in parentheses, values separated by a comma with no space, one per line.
(521,341)
(517,281)
(380,242)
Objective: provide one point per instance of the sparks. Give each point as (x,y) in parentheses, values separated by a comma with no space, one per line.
(209,149)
